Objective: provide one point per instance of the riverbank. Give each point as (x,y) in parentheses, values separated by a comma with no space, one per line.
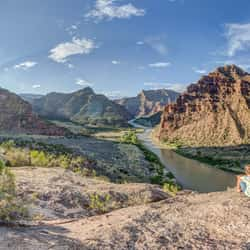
(229,158)
(191,174)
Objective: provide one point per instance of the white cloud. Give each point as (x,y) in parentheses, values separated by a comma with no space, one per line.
(238,36)
(109,9)
(140,43)
(246,67)
(70,66)
(72,30)
(199,71)
(172,86)
(157,44)
(116,62)
(36,86)
(159,65)
(25,65)
(225,62)
(113,94)
(63,51)
(83,82)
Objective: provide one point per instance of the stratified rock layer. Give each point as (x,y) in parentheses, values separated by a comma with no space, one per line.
(148,102)
(16,116)
(214,111)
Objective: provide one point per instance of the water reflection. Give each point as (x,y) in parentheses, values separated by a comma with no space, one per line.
(190,173)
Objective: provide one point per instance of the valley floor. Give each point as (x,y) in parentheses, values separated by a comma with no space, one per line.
(157,221)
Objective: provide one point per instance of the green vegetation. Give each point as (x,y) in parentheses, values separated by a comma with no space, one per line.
(129,137)
(173,144)
(100,203)
(171,188)
(160,177)
(231,165)
(44,155)
(11,206)
(228,158)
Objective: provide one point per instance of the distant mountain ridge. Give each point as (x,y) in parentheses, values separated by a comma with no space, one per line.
(214,111)
(148,102)
(16,116)
(83,107)
(30,97)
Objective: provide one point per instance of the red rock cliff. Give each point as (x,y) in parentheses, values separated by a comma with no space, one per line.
(16,116)
(214,111)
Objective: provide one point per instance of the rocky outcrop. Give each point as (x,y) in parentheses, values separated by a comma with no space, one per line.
(16,116)
(214,111)
(62,194)
(83,107)
(186,221)
(148,102)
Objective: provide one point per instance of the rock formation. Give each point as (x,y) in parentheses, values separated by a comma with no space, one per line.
(148,102)
(16,116)
(214,111)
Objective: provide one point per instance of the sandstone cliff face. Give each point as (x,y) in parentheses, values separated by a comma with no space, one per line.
(16,116)
(214,111)
(148,102)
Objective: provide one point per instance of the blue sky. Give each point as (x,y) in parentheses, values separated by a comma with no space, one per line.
(118,47)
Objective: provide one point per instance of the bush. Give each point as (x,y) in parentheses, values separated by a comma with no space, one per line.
(129,137)
(171,188)
(99,203)
(17,157)
(38,158)
(159,176)
(11,207)
(45,155)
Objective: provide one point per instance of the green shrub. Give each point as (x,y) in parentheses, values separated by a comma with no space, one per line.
(129,137)
(11,207)
(159,177)
(17,157)
(99,203)
(27,153)
(171,188)
(8,144)
(39,158)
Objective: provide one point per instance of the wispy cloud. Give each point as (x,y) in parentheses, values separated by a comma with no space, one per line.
(63,51)
(25,65)
(159,65)
(238,36)
(109,9)
(82,82)
(158,44)
(140,43)
(199,71)
(36,86)
(173,86)
(72,30)
(115,62)
(113,94)
(70,66)
(246,67)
